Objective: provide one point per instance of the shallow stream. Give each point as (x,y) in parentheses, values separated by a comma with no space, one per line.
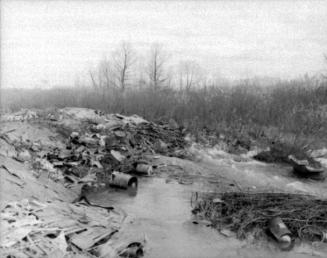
(161,212)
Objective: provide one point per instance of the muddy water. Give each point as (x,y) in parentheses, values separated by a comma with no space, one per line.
(161,212)
(258,175)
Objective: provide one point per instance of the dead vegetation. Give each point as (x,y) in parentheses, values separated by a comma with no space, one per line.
(248,213)
(297,107)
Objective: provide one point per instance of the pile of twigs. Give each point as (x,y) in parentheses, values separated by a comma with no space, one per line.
(151,133)
(243,213)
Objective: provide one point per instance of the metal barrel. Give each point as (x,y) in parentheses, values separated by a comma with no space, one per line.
(281,233)
(144,169)
(123,180)
(278,228)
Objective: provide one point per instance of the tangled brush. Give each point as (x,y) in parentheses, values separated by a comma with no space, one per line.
(246,212)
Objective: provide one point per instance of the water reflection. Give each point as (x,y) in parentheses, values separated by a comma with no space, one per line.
(132,190)
(129,191)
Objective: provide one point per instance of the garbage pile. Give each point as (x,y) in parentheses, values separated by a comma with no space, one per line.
(93,145)
(133,132)
(57,229)
(22,115)
(250,213)
(107,143)
(83,149)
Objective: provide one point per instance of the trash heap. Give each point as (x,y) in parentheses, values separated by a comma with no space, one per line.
(249,213)
(92,144)
(22,115)
(102,144)
(83,149)
(59,229)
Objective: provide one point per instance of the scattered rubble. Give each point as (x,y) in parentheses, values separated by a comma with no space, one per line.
(19,181)
(92,143)
(22,115)
(33,229)
(87,150)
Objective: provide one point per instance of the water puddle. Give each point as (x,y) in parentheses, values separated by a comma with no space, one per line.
(161,212)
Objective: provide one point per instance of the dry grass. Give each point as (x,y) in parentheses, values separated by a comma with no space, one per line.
(248,212)
(297,107)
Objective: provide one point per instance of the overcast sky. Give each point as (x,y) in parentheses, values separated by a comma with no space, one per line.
(50,42)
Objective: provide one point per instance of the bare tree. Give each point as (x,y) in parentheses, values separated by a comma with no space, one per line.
(123,60)
(101,77)
(189,74)
(156,69)
(94,79)
(325,74)
(106,74)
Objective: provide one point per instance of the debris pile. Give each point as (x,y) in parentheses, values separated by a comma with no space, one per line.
(230,141)
(55,229)
(107,143)
(93,145)
(22,115)
(82,150)
(247,213)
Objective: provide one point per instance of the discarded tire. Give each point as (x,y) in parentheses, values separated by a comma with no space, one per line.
(123,180)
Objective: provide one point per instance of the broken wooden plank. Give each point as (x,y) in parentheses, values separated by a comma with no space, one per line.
(91,236)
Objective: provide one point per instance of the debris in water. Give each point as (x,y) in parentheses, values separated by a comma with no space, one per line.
(123,180)
(133,250)
(246,212)
(227,233)
(144,169)
(280,231)
(307,169)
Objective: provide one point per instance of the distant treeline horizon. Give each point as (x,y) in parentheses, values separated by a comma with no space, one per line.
(124,67)
(296,106)
(156,92)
